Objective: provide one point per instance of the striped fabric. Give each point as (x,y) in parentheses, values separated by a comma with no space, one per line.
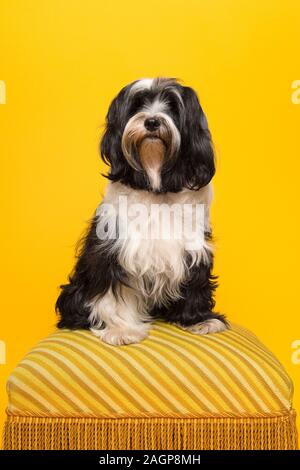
(173,373)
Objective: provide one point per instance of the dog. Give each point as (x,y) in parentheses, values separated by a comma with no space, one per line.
(160,153)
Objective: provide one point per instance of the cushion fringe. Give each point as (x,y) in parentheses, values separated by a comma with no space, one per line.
(264,433)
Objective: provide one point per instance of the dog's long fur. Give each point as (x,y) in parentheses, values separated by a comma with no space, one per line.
(160,152)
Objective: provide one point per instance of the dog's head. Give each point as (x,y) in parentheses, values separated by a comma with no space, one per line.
(157,138)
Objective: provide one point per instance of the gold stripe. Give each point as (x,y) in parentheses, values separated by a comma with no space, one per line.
(43,386)
(246,366)
(275,393)
(77,384)
(31,395)
(147,397)
(132,393)
(273,366)
(24,404)
(223,396)
(261,353)
(181,382)
(89,371)
(150,376)
(228,363)
(232,401)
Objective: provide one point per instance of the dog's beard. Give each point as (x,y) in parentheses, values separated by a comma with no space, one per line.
(150,152)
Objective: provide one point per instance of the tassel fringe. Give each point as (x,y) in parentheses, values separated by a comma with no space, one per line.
(263,433)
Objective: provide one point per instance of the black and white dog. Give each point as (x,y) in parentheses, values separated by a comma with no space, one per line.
(160,153)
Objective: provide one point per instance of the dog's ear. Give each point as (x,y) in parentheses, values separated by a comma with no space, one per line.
(110,145)
(196,146)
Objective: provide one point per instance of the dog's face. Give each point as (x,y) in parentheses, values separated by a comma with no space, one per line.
(157,138)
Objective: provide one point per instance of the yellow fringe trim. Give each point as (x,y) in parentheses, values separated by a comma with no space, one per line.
(264,433)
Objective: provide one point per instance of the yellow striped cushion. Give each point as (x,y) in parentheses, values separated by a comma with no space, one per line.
(172,373)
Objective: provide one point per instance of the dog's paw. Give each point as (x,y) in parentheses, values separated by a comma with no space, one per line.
(117,336)
(212,325)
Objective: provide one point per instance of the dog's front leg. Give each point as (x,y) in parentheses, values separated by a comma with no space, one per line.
(196,312)
(117,317)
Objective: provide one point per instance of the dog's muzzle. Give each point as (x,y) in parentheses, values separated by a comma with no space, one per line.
(143,127)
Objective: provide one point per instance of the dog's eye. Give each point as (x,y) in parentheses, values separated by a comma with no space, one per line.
(136,104)
(173,105)
(171,100)
(138,101)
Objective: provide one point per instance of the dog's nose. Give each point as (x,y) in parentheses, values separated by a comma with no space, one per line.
(152,124)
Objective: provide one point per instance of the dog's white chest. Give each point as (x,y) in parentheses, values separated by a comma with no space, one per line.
(155,233)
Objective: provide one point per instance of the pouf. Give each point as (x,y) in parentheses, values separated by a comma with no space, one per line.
(174,390)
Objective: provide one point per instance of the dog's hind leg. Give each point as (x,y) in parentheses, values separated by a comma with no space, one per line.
(194,310)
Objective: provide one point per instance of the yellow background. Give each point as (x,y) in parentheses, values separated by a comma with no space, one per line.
(63,61)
